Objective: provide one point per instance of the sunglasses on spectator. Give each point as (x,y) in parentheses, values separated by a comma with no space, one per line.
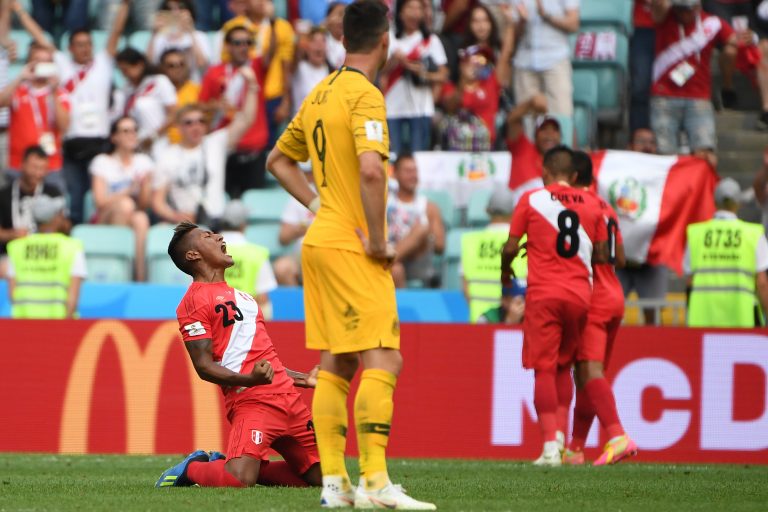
(127,130)
(240,42)
(193,121)
(175,64)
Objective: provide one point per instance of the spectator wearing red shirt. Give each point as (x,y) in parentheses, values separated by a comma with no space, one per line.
(527,155)
(223,92)
(642,46)
(682,78)
(473,102)
(39,112)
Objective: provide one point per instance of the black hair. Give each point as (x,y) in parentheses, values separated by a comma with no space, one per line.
(77,32)
(559,161)
(132,56)
(113,130)
(399,29)
(178,247)
(582,164)
(364,23)
(403,155)
(332,6)
(228,39)
(493,39)
(185,4)
(35,150)
(171,51)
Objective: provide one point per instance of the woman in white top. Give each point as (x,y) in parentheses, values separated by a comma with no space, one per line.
(174,28)
(416,66)
(311,68)
(121,185)
(148,97)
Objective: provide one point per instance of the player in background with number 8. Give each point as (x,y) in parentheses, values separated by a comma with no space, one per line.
(226,338)
(566,233)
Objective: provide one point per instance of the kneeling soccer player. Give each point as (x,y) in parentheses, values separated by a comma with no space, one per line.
(225,335)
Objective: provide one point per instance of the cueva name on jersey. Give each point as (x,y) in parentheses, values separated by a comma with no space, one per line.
(567,198)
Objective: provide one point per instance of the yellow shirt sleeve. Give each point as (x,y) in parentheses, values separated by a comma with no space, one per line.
(293,143)
(368,118)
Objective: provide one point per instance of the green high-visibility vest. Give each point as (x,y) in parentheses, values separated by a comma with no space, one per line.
(248,261)
(481,262)
(723,267)
(42,264)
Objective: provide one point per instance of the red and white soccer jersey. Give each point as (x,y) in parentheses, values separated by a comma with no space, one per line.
(562,225)
(235,324)
(607,307)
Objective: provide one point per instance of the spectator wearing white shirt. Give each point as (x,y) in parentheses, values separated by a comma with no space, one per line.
(334,49)
(188,183)
(87,78)
(542,61)
(251,272)
(121,186)
(294,222)
(174,28)
(416,65)
(311,69)
(148,97)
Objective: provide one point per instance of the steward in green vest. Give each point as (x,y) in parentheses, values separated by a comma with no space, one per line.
(252,271)
(481,257)
(726,259)
(46,269)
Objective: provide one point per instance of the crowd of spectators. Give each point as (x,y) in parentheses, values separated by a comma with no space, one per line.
(172,114)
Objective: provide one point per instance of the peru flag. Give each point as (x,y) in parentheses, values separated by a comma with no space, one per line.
(656,197)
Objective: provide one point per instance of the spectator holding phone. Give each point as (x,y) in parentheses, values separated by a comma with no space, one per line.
(39,112)
(174,27)
(416,65)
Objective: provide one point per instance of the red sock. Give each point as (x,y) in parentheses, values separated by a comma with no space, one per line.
(601,396)
(279,473)
(583,415)
(211,474)
(545,401)
(564,384)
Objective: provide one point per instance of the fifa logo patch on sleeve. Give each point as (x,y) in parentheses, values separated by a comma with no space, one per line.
(374,130)
(195,329)
(256,436)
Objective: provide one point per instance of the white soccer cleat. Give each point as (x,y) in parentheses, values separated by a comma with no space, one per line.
(390,496)
(560,438)
(550,457)
(337,493)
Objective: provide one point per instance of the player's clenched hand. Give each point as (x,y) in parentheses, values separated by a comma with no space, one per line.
(262,373)
(384,252)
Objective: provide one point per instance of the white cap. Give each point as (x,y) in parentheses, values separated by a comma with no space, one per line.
(45,208)
(727,189)
(235,213)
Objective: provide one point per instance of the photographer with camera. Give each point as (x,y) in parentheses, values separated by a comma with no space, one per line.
(39,109)
(417,65)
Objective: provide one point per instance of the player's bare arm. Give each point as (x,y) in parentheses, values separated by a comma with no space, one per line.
(244,118)
(508,253)
(201,353)
(600,252)
(291,178)
(373,183)
(621,257)
(304,380)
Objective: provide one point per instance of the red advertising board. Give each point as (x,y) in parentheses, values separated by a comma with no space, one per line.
(107,386)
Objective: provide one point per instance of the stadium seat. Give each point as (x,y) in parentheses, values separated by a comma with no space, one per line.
(160,268)
(584,125)
(99,38)
(585,88)
(140,40)
(452,258)
(266,235)
(611,78)
(14,70)
(600,13)
(89,207)
(265,205)
(22,38)
(566,128)
(109,252)
(444,202)
(476,209)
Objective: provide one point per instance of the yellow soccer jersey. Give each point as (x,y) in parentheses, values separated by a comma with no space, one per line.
(343,117)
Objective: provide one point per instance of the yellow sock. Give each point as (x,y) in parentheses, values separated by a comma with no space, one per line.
(373,417)
(329,412)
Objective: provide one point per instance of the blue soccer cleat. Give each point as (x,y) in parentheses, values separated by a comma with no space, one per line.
(214,455)
(176,476)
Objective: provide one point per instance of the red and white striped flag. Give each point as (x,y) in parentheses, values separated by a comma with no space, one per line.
(656,198)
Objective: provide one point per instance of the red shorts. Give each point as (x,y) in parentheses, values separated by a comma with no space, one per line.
(280,422)
(597,340)
(552,331)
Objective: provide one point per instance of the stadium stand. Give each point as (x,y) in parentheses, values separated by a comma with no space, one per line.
(265,235)
(265,205)
(109,251)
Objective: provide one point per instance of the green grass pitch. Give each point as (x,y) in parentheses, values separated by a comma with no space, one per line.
(125,483)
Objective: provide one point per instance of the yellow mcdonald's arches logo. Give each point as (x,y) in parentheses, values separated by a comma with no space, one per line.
(142,376)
